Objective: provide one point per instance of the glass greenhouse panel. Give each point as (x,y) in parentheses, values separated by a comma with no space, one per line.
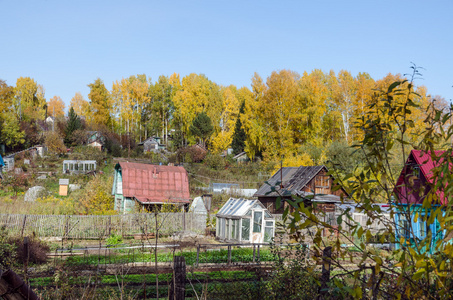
(257,221)
(245,235)
(268,234)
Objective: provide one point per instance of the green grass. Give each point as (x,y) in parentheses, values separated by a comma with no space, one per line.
(219,256)
(140,278)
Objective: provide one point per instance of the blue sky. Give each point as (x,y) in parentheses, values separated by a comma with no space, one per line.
(65,45)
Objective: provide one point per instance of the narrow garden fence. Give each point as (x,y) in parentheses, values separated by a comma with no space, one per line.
(86,227)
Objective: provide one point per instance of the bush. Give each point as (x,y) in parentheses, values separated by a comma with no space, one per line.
(12,250)
(7,250)
(88,153)
(191,154)
(114,239)
(215,161)
(37,250)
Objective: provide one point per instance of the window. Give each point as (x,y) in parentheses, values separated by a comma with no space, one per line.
(422,225)
(403,226)
(233,229)
(268,231)
(245,234)
(416,171)
(257,221)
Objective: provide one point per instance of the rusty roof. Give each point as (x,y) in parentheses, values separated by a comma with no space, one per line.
(155,184)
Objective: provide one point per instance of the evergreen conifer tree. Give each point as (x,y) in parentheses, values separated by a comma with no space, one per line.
(202,127)
(73,125)
(238,143)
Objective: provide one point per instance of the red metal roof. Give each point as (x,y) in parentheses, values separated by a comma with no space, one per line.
(426,163)
(155,184)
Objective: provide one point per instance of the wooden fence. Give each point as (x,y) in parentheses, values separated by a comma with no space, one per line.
(86,227)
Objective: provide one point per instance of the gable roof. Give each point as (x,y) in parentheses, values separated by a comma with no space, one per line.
(236,208)
(151,140)
(240,155)
(154,184)
(425,162)
(95,136)
(294,179)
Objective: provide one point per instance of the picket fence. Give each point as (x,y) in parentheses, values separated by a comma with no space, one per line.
(89,227)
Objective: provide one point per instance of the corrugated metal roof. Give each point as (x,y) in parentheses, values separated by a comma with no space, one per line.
(155,184)
(294,180)
(426,163)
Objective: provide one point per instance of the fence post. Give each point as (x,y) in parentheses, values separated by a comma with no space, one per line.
(23,225)
(325,277)
(258,253)
(198,254)
(253,252)
(110,225)
(229,254)
(66,230)
(177,291)
(26,255)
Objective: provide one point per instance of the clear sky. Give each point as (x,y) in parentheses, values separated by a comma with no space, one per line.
(65,45)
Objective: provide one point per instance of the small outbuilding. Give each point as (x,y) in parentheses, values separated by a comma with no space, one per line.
(8,163)
(152,144)
(245,221)
(241,157)
(64,184)
(149,186)
(79,166)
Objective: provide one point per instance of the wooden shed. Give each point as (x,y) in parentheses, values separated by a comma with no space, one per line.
(289,182)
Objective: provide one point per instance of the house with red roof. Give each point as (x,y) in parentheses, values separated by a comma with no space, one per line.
(413,187)
(138,186)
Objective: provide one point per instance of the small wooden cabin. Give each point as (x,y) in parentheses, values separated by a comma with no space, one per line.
(148,186)
(412,187)
(289,182)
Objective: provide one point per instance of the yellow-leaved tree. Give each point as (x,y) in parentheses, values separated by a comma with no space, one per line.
(96,199)
(29,102)
(55,107)
(197,94)
(252,120)
(230,112)
(80,105)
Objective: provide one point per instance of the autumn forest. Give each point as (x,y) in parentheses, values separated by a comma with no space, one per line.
(276,117)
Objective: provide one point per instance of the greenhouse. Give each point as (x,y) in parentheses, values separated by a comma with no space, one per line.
(79,166)
(245,221)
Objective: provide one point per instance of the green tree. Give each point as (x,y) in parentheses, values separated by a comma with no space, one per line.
(11,134)
(202,127)
(73,124)
(238,143)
